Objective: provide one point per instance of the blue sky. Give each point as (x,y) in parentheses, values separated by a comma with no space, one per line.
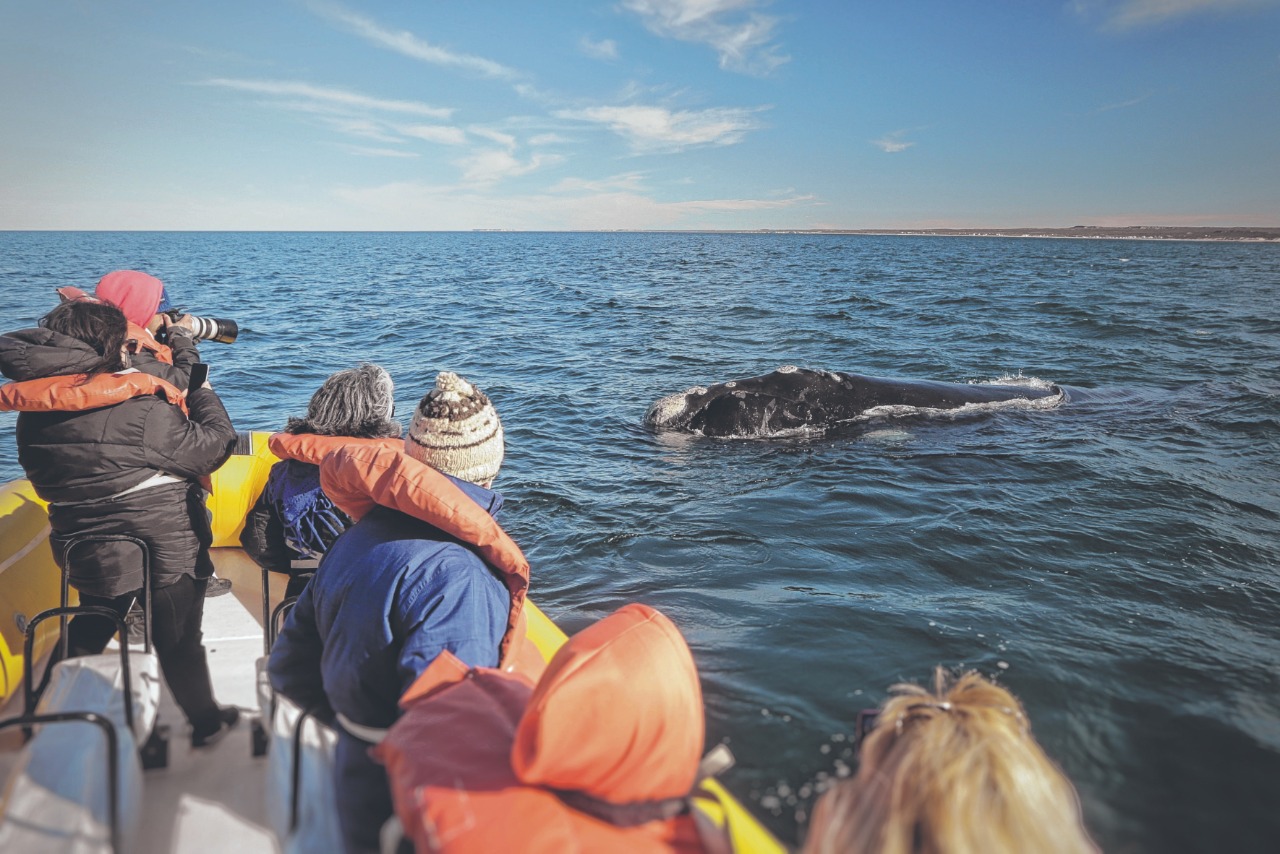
(649,114)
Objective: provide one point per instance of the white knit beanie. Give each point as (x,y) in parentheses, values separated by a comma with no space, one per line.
(456,430)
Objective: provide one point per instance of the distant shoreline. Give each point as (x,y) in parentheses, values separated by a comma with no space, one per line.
(1221,234)
(1079,232)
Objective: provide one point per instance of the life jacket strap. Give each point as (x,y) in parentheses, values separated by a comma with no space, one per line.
(718,760)
(624,815)
(370,734)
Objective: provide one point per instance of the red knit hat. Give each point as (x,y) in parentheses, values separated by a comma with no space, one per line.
(138,295)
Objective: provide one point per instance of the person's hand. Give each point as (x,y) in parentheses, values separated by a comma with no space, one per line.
(164,321)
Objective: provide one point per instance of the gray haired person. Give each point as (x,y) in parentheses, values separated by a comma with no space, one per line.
(293,522)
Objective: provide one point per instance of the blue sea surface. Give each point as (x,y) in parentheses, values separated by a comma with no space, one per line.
(1113,561)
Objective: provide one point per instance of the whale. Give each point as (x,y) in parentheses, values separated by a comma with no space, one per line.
(794,401)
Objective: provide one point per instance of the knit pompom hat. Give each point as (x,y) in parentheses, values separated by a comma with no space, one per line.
(456,430)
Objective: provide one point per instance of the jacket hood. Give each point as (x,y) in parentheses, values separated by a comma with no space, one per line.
(136,294)
(617,715)
(30,354)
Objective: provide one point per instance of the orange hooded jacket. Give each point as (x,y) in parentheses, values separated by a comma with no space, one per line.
(599,756)
(359,477)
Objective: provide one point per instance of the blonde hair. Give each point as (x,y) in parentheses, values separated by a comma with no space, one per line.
(955,771)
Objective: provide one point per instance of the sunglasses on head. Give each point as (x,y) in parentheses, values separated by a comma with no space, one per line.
(866,721)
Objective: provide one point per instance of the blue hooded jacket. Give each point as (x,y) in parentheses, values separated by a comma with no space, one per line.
(390,595)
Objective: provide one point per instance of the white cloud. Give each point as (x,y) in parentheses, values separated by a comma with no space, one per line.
(409,205)
(603,49)
(329,96)
(742,37)
(892,143)
(486,167)
(442,134)
(1134,14)
(629,181)
(1122,105)
(406,43)
(363,128)
(506,140)
(657,129)
(380,152)
(547,139)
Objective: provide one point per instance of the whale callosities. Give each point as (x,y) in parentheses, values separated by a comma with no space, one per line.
(794,400)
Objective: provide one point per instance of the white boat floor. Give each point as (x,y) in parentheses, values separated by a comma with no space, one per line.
(213,800)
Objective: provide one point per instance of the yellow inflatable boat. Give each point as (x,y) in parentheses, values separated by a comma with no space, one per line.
(216,800)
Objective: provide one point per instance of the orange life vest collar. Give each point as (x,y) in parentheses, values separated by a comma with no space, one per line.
(359,477)
(73,393)
(312,448)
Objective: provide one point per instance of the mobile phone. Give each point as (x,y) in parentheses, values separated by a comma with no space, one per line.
(199,374)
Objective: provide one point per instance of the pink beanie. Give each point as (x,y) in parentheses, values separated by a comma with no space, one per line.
(136,294)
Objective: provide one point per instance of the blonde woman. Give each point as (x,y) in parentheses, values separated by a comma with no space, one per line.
(948,771)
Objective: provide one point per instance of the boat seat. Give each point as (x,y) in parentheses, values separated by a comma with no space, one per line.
(301,804)
(62,793)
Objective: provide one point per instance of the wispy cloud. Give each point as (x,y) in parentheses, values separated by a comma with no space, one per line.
(410,205)
(380,152)
(331,96)
(628,181)
(1119,15)
(657,129)
(547,139)
(410,45)
(506,140)
(1122,105)
(603,49)
(723,205)
(442,134)
(363,128)
(742,37)
(489,166)
(893,143)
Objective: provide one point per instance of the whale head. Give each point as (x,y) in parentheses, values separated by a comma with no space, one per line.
(674,411)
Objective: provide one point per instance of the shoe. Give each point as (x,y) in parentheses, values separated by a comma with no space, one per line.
(227,718)
(136,624)
(217,586)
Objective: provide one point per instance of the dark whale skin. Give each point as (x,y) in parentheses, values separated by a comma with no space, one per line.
(790,400)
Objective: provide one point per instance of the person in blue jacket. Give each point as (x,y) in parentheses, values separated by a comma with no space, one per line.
(391,593)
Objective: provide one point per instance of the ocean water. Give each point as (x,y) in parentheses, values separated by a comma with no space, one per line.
(1113,560)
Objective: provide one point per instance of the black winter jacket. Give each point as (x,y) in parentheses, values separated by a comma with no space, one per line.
(85,462)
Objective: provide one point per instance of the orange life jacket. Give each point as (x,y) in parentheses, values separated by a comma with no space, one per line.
(73,393)
(599,756)
(359,477)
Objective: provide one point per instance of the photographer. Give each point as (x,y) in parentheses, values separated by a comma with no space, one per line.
(129,468)
(145,305)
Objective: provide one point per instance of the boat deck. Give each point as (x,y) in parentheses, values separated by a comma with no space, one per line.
(210,800)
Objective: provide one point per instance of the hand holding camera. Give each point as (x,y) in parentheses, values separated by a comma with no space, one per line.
(207,328)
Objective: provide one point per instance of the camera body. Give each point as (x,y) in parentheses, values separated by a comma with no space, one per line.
(209,328)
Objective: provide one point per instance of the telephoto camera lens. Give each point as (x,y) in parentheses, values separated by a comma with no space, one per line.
(216,329)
